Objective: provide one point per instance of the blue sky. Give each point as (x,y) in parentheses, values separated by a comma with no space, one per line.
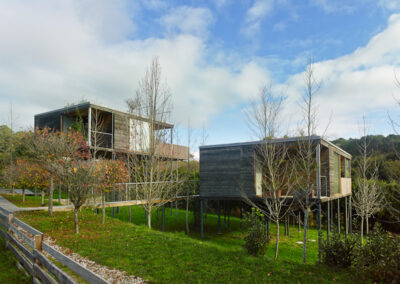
(215,56)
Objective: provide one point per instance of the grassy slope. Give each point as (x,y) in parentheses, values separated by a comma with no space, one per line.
(30,201)
(8,270)
(174,257)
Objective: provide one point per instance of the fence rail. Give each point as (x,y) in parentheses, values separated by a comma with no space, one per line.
(28,246)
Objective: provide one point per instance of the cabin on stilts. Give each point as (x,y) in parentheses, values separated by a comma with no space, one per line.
(229,170)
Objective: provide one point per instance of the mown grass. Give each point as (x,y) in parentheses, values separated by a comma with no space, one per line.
(174,257)
(30,201)
(9,273)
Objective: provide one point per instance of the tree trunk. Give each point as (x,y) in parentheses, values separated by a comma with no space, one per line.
(23,195)
(51,189)
(277,239)
(12,190)
(305,235)
(367,226)
(103,208)
(149,218)
(76,210)
(42,194)
(362,231)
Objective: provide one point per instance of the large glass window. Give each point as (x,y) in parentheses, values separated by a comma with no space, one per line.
(336,173)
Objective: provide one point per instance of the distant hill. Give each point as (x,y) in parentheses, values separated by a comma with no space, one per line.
(378,145)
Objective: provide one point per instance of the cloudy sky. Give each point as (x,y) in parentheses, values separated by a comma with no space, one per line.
(215,56)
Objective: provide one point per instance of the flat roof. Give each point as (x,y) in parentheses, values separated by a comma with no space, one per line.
(86,105)
(278,140)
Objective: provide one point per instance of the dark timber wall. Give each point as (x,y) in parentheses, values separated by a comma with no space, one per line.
(226,171)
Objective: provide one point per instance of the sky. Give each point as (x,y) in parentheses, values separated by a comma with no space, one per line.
(215,56)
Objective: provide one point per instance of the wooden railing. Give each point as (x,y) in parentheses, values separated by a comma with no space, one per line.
(28,246)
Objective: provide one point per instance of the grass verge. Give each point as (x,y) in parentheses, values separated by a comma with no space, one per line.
(174,257)
(30,201)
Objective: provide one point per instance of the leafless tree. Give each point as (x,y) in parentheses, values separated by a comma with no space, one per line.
(149,139)
(367,198)
(97,135)
(306,148)
(274,162)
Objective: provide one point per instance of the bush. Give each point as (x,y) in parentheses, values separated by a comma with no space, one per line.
(256,240)
(340,251)
(379,259)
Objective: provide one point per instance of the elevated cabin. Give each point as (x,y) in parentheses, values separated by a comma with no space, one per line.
(112,132)
(227,170)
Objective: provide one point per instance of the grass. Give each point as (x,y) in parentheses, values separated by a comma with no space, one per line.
(30,201)
(173,257)
(9,273)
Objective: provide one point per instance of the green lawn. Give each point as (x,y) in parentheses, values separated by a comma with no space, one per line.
(173,257)
(30,201)
(8,270)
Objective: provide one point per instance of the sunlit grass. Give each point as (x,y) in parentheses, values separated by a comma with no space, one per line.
(172,256)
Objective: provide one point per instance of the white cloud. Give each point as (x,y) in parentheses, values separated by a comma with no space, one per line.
(221,3)
(329,6)
(390,5)
(53,54)
(255,15)
(188,20)
(355,84)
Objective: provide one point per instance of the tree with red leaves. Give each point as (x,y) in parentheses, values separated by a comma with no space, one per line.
(109,173)
(52,149)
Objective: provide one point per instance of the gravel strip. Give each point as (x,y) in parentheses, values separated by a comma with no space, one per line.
(111,275)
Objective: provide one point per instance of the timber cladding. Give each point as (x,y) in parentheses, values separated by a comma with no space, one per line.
(121,131)
(227,171)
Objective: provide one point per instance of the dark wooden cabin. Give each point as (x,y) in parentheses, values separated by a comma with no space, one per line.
(115,133)
(227,170)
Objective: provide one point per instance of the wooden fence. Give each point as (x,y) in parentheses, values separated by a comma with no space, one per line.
(28,246)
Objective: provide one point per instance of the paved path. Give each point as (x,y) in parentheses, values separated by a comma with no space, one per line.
(7,205)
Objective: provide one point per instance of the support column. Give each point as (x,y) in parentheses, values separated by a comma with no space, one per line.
(350,217)
(328,221)
(201,220)
(346,216)
(299,222)
(284,226)
(338,216)
(219,217)
(163,218)
(229,215)
(241,215)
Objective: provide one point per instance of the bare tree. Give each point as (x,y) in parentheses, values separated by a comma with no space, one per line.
(306,148)
(97,135)
(273,160)
(367,199)
(149,138)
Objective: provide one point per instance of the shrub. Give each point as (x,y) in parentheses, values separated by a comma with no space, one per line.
(339,251)
(379,258)
(256,240)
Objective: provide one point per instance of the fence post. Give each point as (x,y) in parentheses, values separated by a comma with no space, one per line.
(9,220)
(38,239)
